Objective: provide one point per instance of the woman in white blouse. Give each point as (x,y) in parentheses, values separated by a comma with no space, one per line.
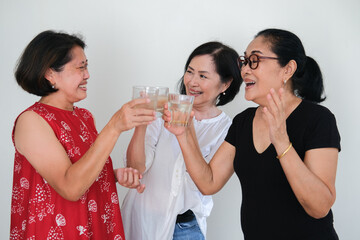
(172,207)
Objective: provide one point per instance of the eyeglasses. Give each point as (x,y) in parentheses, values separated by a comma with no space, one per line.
(253,60)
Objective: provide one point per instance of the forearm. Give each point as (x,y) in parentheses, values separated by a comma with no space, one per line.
(199,170)
(313,194)
(135,154)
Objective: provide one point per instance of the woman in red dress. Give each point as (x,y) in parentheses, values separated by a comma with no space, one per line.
(64,181)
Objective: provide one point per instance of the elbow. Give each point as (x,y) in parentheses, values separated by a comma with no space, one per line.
(320,211)
(208,191)
(71,197)
(205,192)
(71,194)
(318,214)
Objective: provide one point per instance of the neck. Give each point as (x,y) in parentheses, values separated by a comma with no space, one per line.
(291,102)
(206,112)
(52,101)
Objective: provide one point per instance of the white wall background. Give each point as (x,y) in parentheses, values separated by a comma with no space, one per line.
(147,42)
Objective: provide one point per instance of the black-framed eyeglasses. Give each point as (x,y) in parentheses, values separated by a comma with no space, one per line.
(253,60)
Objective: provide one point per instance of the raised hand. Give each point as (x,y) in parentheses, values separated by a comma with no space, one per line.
(131,115)
(130,178)
(275,116)
(174,129)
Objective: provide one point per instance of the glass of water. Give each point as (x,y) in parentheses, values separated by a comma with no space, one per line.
(146,92)
(162,98)
(180,107)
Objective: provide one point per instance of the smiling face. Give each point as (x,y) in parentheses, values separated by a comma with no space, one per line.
(203,82)
(72,80)
(269,74)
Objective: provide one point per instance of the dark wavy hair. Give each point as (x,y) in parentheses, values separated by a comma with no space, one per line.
(307,81)
(47,50)
(226,65)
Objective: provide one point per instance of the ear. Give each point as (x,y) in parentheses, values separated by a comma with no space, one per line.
(289,69)
(49,75)
(226,85)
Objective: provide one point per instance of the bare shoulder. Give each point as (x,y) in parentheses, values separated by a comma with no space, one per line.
(29,117)
(29,128)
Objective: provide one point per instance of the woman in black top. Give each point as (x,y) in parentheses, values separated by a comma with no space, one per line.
(284,152)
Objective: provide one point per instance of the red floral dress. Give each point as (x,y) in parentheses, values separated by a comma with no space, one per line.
(38,212)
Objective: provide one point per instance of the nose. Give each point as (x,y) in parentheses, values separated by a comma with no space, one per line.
(86,74)
(194,80)
(245,69)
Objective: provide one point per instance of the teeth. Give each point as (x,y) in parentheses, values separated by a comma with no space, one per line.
(249,83)
(82,86)
(191,92)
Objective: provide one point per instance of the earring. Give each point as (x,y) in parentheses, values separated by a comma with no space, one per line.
(285,82)
(223,93)
(53,86)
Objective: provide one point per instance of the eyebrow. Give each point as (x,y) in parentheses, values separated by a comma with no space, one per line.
(84,62)
(254,51)
(199,71)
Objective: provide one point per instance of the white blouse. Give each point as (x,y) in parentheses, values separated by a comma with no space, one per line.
(169,188)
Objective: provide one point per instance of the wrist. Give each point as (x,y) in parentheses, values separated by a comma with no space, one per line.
(284,152)
(111,130)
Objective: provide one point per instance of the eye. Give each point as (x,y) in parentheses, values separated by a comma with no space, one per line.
(254,59)
(189,71)
(83,67)
(202,76)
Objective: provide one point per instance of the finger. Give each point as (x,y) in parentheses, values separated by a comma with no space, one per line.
(276,98)
(143,112)
(138,101)
(167,125)
(136,177)
(121,176)
(192,114)
(272,107)
(130,180)
(142,120)
(166,115)
(268,116)
(282,97)
(140,188)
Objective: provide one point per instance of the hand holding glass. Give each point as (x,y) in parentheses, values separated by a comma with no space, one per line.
(180,107)
(146,92)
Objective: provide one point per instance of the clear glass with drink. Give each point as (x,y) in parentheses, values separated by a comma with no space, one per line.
(161,100)
(146,92)
(180,107)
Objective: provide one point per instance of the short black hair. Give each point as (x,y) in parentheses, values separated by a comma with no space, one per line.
(47,50)
(226,65)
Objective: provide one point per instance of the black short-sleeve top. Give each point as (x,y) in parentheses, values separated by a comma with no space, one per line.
(269,207)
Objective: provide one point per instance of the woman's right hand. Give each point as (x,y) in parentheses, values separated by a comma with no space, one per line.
(176,130)
(131,115)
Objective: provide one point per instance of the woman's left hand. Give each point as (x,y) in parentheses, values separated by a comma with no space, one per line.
(130,178)
(275,116)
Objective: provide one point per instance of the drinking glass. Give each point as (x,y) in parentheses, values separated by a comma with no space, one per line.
(162,98)
(180,107)
(146,92)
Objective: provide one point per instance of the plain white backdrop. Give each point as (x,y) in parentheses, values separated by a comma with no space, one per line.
(141,42)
